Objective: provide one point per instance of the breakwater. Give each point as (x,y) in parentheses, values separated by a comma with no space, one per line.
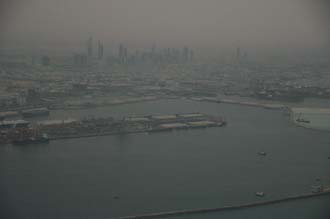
(269,106)
(225,208)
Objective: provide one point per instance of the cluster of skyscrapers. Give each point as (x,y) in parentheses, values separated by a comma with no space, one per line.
(90,46)
(154,55)
(124,56)
(82,59)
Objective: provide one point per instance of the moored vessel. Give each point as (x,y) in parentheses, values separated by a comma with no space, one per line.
(31,140)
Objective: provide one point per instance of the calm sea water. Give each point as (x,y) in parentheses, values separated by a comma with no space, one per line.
(80,178)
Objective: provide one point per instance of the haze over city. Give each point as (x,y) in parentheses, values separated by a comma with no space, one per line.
(135,109)
(251,24)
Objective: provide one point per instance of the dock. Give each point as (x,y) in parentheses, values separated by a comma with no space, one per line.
(129,125)
(92,127)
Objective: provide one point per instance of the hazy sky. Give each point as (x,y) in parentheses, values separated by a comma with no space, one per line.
(209,23)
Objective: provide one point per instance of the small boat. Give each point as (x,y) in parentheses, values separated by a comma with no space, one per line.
(260,194)
(262,153)
(302,120)
(317,189)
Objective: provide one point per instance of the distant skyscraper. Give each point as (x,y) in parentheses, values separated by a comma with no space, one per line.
(245,55)
(90,47)
(125,53)
(185,53)
(137,54)
(121,51)
(238,54)
(100,50)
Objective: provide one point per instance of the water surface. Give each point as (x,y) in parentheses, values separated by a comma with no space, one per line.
(80,178)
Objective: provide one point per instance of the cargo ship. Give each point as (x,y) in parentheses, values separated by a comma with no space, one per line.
(35,112)
(31,140)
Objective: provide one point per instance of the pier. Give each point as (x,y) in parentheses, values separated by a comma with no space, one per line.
(225,208)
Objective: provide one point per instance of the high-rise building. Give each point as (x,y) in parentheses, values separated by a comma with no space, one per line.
(100,50)
(238,53)
(90,47)
(121,52)
(125,53)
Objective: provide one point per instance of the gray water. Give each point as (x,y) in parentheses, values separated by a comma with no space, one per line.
(79,178)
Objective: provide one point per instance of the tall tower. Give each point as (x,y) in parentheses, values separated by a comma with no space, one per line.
(121,51)
(90,47)
(238,54)
(100,50)
(125,54)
